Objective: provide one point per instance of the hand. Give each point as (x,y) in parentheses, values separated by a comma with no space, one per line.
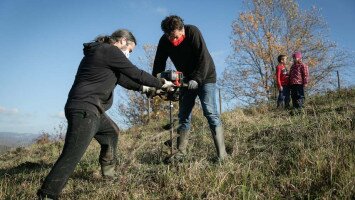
(281,88)
(305,85)
(193,85)
(166,84)
(149,91)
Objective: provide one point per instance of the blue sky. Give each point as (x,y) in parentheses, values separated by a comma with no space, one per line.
(41,44)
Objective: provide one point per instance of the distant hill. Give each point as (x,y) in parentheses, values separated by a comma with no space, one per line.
(9,140)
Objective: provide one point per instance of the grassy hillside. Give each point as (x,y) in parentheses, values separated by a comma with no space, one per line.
(273,155)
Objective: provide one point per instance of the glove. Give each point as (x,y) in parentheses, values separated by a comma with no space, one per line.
(166,84)
(149,91)
(193,85)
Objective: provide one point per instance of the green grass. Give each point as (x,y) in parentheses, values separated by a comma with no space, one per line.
(273,155)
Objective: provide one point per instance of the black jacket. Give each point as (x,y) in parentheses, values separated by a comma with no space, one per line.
(102,67)
(191,57)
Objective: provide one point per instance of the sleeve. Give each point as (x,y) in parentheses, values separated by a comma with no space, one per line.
(128,83)
(278,77)
(160,58)
(121,65)
(305,74)
(201,53)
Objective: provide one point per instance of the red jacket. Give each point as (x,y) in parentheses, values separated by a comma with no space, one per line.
(299,74)
(281,75)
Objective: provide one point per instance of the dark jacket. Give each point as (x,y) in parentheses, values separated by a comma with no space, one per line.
(191,57)
(102,67)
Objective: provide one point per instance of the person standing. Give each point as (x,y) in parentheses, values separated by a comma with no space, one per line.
(298,80)
(186,48)
(282,80)
(104,65)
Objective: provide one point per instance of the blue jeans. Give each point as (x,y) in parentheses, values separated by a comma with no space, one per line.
(207,95)
(284,97)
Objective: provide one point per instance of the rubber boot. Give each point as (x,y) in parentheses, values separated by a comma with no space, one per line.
(182,141)
(218,139)
(108,172)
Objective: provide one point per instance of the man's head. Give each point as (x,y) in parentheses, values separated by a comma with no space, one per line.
(297,57)
(124,40)
(173,27)
(282,59)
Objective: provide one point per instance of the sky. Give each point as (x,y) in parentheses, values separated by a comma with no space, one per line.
(41,45)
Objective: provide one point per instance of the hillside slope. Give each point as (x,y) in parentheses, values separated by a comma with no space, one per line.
(273,155)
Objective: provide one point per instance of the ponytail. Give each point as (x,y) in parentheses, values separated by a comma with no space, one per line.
(115,36)
(104,39)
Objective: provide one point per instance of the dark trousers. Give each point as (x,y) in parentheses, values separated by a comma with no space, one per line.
(83,126)
(284,97)
(297,95)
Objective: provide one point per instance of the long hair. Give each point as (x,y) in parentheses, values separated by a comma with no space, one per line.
(115,36)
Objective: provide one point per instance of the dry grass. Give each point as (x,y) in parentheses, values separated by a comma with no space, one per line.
(273,155)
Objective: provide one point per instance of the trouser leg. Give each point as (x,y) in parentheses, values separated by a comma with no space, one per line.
(280,99)
(294,96)
(107,137)
(207,95)
(301,96)
(286,94)
(82,126)
(186,104)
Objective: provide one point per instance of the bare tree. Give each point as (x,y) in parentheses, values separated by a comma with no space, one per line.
(267,29)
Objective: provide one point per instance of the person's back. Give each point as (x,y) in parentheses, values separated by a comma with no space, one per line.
(94,81)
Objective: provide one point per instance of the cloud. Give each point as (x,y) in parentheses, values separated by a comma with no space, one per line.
(162,11)
(147,6)
(59,115)
(8,111)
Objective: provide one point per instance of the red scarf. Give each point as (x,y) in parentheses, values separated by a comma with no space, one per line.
(178,41)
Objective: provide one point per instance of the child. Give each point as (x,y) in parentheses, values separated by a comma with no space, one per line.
(282,79)
(298,80)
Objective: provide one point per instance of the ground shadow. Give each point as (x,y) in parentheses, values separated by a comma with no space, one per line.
(27,167)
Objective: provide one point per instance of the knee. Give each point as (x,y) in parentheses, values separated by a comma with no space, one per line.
(213,119)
